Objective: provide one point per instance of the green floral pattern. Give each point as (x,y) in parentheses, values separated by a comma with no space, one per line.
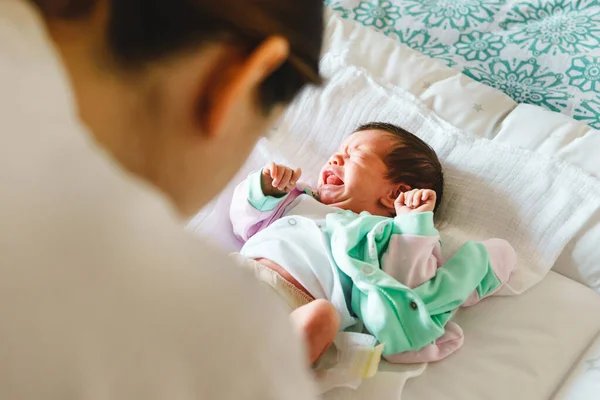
(338,5)
(542,52)
(585,74)
(524,81)
(479,46)
(555,27)
(457,14)
(380,14)
(589,112)
(423,42)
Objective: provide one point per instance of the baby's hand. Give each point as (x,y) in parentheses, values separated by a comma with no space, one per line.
(415,201)
(277,180)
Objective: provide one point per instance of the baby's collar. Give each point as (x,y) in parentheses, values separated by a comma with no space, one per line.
(308,190)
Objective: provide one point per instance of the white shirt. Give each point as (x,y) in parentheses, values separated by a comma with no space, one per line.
(102,294)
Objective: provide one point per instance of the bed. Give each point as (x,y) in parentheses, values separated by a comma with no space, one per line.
(542,52)
(535,176)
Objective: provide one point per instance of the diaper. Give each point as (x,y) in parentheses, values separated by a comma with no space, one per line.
(290,294)
(352,357)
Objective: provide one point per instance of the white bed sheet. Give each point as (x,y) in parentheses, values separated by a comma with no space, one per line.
(584,381)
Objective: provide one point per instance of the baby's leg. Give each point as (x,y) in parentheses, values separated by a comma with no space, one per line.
(503,260)
(318,322)
(450,342)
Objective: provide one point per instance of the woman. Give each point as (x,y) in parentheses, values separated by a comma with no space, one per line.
(118,118)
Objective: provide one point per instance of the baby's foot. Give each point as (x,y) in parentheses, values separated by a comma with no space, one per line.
(449,343)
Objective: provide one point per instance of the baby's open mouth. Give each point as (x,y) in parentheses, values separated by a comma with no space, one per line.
(330,178)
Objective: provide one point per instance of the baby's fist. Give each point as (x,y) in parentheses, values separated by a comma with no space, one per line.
(415,201)
(278,180)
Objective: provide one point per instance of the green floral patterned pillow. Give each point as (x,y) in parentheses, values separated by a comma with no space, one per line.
(542,52)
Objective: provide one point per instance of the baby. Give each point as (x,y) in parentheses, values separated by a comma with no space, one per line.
(362,246)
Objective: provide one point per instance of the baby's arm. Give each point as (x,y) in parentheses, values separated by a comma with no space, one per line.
(413,253)
(414,256)
(260,199)
(483,266)
(414,259)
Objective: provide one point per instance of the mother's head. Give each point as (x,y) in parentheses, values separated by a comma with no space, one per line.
(179,91)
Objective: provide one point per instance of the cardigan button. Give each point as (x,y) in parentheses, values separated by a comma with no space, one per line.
(413,305)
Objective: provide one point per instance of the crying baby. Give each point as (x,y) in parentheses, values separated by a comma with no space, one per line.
(361,246)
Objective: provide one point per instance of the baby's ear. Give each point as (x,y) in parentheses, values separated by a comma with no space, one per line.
(392,194)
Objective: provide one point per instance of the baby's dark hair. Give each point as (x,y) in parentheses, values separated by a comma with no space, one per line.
(412,161)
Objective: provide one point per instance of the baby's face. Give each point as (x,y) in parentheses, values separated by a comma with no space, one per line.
(354,178)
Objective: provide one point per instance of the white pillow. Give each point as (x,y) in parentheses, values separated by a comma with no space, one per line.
(557,135)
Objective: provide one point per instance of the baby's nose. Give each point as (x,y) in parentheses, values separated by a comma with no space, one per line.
(336,159)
